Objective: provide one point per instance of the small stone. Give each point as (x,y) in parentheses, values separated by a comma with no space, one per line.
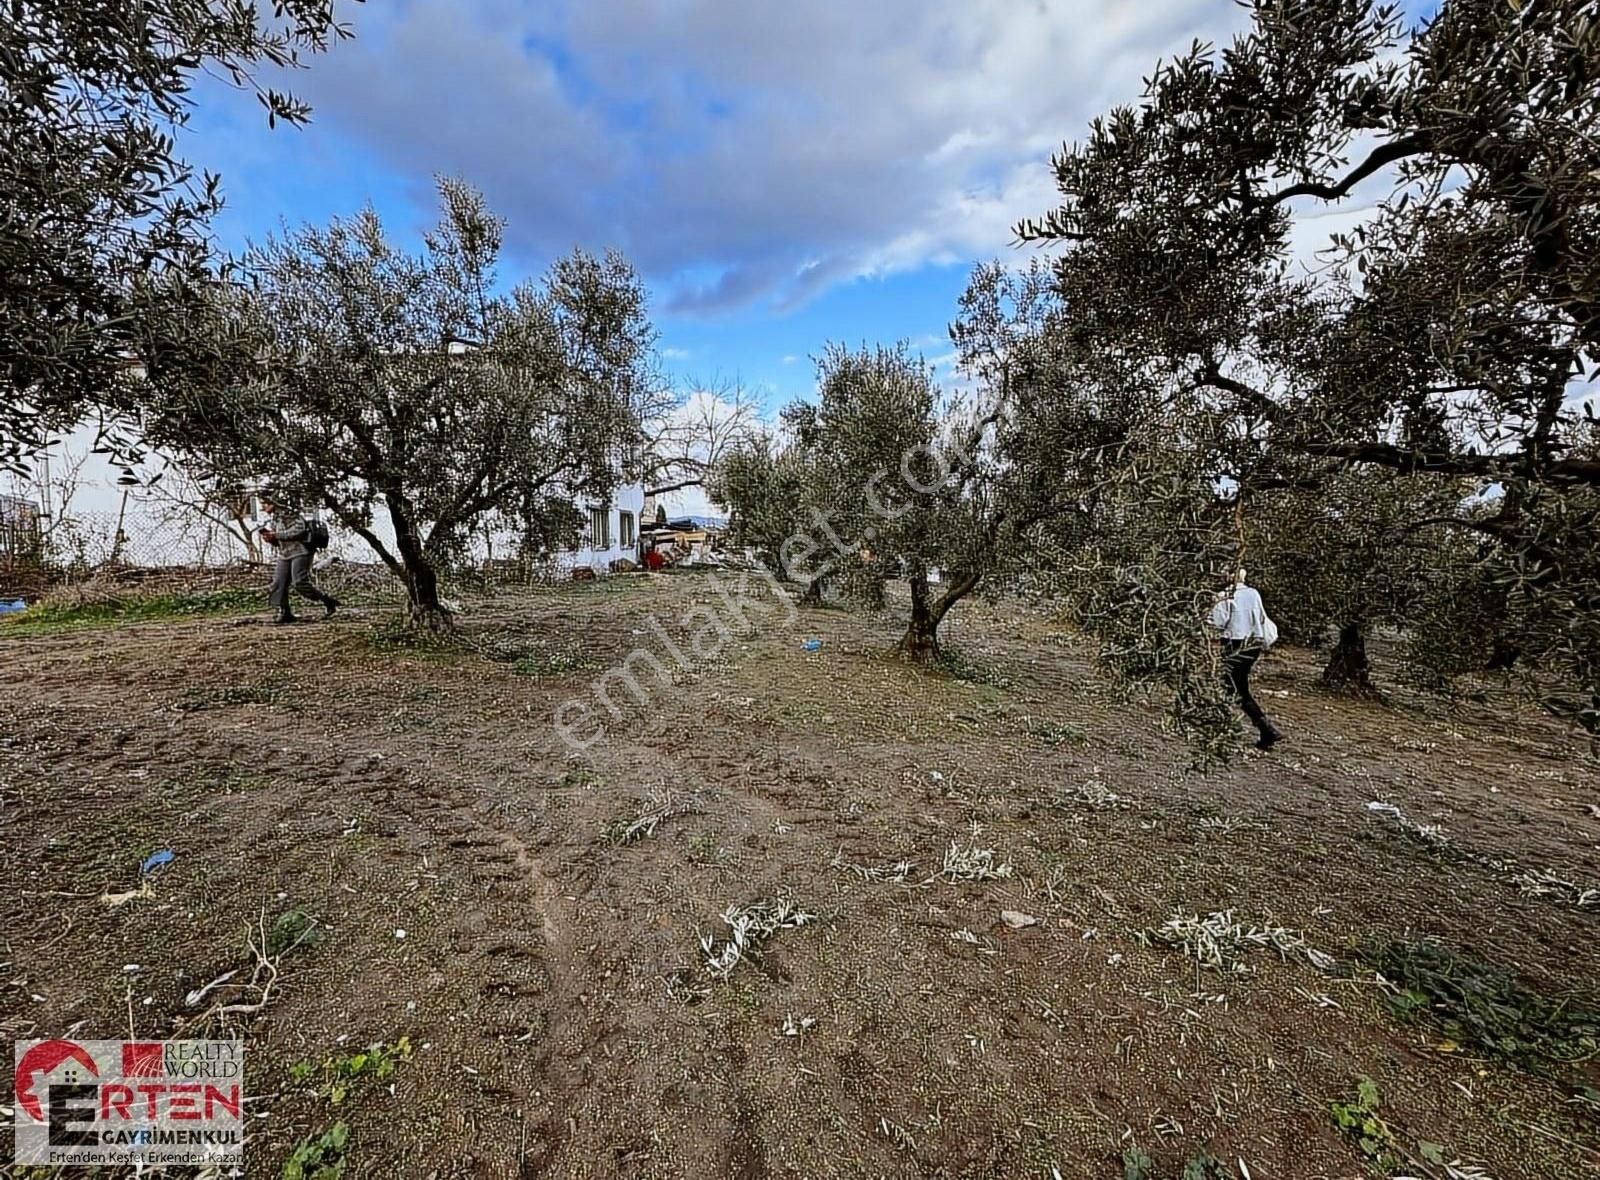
(1016,920)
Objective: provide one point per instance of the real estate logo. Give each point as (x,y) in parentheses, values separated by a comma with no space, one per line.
(129,1102)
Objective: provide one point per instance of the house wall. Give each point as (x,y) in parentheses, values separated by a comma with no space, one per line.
(628,498)
(156,535)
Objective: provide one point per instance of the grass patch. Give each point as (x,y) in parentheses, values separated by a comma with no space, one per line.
(77,607)
(582,776)
(343,1072)
(200,697)
(293,930)
(319,1157)
(1056,733)
(1476,1004)
(956,664)
(551,665)
(703,849)
(535,658)
(1136,1165)
(1358,1119)
(396,638)
(193,789)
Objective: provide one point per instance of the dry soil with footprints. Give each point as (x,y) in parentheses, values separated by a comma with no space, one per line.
(521,926)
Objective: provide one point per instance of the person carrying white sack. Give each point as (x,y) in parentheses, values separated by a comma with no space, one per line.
(1240,618)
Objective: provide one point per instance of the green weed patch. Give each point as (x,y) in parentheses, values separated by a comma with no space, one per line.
(49,616)
(1482,1006)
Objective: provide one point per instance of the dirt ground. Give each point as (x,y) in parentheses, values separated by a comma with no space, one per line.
(550,976)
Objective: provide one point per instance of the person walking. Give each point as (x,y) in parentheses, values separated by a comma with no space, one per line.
(1240,618)
(288,532)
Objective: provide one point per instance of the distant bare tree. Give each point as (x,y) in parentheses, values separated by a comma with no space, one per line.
(52,481)
(182,500)
(687,435)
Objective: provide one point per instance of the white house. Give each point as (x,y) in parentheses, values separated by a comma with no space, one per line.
(610,530)
(85,488)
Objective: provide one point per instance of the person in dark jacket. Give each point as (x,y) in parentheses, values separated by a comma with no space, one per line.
(286,532)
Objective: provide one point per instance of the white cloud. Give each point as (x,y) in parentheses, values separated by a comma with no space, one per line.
(745,152)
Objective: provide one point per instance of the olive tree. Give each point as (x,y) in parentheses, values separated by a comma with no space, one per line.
(100,219)
(764,484)
(947,488)
(875,431)
(1348,552)
(1442,336)
(401,390)
(1531,607)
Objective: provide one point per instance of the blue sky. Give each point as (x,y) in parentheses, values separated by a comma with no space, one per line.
(781,175)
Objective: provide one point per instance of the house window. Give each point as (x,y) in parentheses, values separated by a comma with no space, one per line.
(600,528)
(625,529)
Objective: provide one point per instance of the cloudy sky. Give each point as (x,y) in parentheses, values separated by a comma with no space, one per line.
(782,173)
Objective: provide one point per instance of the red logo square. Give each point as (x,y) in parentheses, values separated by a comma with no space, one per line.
(143,1059)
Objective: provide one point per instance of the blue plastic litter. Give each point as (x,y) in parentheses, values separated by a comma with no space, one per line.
(812,645)
(157,859)
(12,606)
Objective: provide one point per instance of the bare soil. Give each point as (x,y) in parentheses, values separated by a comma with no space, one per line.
(551,978)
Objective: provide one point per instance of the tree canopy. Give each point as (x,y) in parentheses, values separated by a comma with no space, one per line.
(763,484)
(384,385)
(888,474)
(1445,336)
(99,217)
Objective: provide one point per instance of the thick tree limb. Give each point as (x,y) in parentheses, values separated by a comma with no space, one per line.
(1213,376)
(1381,157)
(675,487)
(964,585)
(1492,527)
(1584,472)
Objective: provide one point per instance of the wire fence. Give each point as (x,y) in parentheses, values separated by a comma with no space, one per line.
(39,550)
(73,547)
(154,544)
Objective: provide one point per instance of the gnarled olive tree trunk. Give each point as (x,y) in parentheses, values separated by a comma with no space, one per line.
(424,611)
(921,640)
(410,562)
(1347,669)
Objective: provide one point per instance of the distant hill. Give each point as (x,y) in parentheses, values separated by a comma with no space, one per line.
(705,522)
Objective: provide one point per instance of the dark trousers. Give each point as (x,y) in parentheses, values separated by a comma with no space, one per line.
(293,573)
(1238,657)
